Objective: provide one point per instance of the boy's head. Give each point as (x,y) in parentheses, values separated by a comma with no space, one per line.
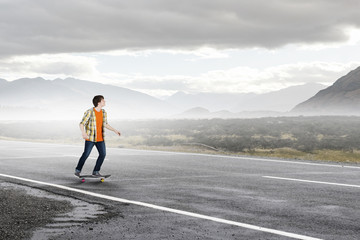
(97,99)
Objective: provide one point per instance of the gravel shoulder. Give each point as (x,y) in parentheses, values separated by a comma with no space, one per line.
(30,213)
(22,213)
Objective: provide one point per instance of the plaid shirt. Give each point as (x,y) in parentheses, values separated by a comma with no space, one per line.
(89,122)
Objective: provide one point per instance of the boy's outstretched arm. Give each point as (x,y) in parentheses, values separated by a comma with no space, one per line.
(112,129)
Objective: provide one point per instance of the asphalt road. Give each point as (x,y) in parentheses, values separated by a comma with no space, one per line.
(218,197)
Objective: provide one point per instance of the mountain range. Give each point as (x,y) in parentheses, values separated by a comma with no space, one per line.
(37,98)
(342,98)
(279,101)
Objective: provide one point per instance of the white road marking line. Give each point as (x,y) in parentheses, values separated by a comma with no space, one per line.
(310,181)
(171,210)
(201,154)
(248,158)
(301,163)
(53,156)
(31,157)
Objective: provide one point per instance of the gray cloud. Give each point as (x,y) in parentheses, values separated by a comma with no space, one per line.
(42,26)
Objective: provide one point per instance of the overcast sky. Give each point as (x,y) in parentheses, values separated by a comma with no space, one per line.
(163,46)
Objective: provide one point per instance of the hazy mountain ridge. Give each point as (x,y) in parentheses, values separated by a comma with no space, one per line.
(282,100)
(200,113)
(37,98)
(2,81)
(211,101)
(342,98)
(69,98)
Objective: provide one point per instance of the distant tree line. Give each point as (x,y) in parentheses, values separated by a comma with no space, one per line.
(235,135)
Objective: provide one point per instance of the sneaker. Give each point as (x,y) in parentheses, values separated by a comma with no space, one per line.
(96,174)
(77,173)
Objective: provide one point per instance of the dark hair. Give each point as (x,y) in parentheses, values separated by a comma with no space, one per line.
(97,99)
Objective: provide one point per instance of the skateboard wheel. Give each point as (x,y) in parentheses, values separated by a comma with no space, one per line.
(102,180)
(83,180)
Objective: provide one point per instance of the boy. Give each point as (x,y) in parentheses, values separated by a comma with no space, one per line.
(92,128)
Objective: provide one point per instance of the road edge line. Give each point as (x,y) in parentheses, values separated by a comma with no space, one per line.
(166,209)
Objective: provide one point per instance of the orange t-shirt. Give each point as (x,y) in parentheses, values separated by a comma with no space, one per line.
(99,125)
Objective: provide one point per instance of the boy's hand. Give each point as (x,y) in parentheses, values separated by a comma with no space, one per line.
(85,136)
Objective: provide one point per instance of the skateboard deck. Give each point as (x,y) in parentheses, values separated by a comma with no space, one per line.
(102,178)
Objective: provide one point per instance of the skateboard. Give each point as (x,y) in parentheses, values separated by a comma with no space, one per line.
(102,178)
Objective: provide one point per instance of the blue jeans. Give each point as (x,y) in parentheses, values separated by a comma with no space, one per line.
(88,147)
